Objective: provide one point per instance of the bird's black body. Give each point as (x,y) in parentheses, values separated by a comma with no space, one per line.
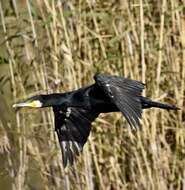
(75,111)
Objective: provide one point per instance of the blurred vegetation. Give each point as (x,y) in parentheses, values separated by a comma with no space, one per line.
(55,46)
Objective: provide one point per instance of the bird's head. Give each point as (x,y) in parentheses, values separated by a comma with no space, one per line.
(43,100)
(32,102)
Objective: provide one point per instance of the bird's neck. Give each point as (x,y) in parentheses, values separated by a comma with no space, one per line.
(56,99)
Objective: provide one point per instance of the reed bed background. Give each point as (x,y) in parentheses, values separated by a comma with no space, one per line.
(55,46)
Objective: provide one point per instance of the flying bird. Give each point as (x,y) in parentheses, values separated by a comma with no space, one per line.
(75,111)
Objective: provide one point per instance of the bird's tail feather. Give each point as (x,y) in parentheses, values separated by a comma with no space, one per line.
(147,103)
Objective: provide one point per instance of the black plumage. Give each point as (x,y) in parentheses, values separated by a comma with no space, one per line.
(75,111)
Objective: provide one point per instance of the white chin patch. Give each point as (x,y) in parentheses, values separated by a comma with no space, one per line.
(37,104)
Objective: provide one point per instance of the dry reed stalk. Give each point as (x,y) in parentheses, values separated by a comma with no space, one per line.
(142,43)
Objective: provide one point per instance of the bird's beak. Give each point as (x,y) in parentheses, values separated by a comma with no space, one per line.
(32,104)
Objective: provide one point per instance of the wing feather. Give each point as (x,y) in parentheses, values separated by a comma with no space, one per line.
(125,94)
(73,126)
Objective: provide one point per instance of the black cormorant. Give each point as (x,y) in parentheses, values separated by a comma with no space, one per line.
(75,111)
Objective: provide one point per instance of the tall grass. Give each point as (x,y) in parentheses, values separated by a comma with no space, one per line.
(55,46)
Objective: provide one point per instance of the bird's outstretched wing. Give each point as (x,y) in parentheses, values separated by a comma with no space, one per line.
(125,94)
(73,126)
